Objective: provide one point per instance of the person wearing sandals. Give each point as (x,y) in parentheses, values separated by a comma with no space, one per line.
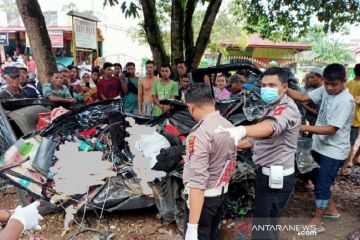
(354,89)
(331,137)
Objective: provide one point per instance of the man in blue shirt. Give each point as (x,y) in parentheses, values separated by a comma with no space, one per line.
(131,91)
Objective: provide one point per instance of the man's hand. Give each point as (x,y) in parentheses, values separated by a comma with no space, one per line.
(357,99)
(166,108)
(72,100)
(191,232)
(237,133)
(5,215)
(28,216)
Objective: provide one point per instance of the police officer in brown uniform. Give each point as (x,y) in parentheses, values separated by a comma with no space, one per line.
(274,142)
(208,155)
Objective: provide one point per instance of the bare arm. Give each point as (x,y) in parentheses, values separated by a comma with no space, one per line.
(309,109)
(124,86)
(12,231)
(140,96)
(196,204)
(60,99)
(298,96)
(156,101)
(4,215)
(320,130)
(260,130)
(244,144)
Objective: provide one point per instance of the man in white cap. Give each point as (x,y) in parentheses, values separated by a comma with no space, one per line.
(313,80)
(29,90)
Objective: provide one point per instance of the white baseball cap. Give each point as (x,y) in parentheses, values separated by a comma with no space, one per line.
(316,70)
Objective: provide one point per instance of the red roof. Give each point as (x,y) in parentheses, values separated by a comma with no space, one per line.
(22,29)
(255,41)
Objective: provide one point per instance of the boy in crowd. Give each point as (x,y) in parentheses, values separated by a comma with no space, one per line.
(164,88)
(56,91)
(109,87)
(66,77)
(181,69)
(354,89)
(117,70)
(131,89)
(145,100)
(95,75)
(74,84)
(184,85)
(331,136)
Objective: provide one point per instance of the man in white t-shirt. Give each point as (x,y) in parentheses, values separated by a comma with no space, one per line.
(331,136)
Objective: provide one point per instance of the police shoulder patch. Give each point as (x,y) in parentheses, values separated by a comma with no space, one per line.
(279,109)
(191,143)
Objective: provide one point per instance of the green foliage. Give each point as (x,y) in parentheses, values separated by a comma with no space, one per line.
(225,28)
(8,6)
(286,19)
(326,47)
(129,8)
(333,50)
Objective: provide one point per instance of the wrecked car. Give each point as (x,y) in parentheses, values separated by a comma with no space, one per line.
(99,158)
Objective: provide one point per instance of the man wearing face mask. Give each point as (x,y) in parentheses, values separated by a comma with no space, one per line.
(274,141)
(208,155)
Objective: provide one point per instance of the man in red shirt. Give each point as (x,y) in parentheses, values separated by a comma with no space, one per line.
(109,87)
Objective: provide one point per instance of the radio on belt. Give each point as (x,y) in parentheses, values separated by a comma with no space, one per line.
(276,177)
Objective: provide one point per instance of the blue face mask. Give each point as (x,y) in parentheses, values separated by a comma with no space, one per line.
(269,95)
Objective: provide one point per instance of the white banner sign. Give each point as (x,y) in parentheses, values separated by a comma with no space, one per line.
(85,33)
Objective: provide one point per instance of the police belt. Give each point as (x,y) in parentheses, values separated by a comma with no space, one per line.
(212,192)
(286,172)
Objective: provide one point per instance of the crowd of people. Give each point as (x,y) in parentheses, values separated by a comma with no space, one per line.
(76,86)
(330,105)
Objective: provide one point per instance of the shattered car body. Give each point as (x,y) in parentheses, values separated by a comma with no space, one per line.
(126,184)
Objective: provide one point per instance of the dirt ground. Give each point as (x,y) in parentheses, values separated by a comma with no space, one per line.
(145,223)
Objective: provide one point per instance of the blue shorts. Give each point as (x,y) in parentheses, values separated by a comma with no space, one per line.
(324,177)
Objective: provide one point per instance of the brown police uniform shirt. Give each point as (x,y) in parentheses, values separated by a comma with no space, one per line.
(279,148)
(207,152)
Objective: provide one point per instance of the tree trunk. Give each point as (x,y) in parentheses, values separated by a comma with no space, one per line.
(153,34)
(36,30)
(177,31)
(205,32)
(189,31)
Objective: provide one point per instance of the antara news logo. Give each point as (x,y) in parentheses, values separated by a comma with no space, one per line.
(244,230)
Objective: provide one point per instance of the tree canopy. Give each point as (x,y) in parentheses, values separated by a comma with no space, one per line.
(326,47)
(275,19)
(286,19)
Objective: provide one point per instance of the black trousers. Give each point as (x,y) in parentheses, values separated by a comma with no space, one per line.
(213,210)
(269,204)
